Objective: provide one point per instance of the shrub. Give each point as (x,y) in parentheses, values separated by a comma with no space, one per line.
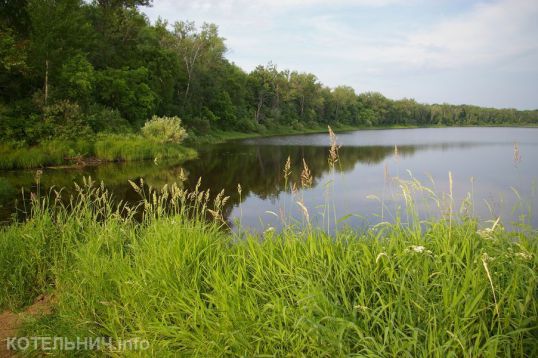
(66,120)
(108,120)
(246,125)
(164,130)
(297,125)
(201,126)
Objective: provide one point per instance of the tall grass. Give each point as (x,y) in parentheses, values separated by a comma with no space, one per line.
(130,148)
(49,153)
(103,148)
(440,288)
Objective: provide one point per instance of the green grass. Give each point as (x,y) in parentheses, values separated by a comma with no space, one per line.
(189,287)
(131,148)
(219,136)
(103,148)
(215,136)
(50,153)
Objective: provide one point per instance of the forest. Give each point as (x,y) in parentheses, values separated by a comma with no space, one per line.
(70,69)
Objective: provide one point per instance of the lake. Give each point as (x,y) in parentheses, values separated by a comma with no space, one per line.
(494,169)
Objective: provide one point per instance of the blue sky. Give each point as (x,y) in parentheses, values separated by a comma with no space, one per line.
(455,51)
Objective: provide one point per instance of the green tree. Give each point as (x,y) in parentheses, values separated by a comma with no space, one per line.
(195,48)
(58,32)
(77,79)
(128,91)
(345,104)
(305,90)
(260,82)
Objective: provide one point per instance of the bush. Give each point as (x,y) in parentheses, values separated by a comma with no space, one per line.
(246,125)
(201,126)
(297,126)
(164,130)
(66,120)
(108,120)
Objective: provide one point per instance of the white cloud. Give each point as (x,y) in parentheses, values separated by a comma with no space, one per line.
(492,39)
(491,33)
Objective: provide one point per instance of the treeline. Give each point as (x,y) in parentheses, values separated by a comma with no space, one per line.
(69,68)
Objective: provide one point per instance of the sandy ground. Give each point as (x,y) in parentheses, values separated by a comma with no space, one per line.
(11,322)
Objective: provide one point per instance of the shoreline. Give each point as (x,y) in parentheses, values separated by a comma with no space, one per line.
(213,137)
(218,137)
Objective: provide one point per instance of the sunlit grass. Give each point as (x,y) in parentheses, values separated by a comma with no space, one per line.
(188,286)
(130,148)
(50,153)
(112,148)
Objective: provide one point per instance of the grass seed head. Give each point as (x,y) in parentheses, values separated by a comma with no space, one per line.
(306,176)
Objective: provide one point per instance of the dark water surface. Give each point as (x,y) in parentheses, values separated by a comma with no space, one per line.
(482,161)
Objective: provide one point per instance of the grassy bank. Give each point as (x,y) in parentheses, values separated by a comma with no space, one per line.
(129,147)
(109,148)
(220,136)
(187,286)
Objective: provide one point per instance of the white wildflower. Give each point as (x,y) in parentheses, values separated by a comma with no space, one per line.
(361,308)
(418,249)
(524,256)
(488,232)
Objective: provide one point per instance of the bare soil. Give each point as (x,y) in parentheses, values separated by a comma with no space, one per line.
(10,322)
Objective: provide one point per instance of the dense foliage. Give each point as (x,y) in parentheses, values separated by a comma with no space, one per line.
(70,68)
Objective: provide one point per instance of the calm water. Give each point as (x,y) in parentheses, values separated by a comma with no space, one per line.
(481,161)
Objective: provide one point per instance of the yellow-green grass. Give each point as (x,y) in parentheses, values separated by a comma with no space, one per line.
(48,153)
(103,148)
(131,148)
(444,288)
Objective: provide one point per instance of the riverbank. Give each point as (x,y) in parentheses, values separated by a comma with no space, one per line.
(104,148)
(185,286)
(220,136)
(129,147)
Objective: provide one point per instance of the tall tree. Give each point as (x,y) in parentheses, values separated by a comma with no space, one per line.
(306,90)
(344,99)
(196,47)
(58,30)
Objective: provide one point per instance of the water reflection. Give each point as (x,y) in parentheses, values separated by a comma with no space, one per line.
(258,166)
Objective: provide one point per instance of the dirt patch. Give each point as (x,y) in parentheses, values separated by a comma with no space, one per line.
(10,322)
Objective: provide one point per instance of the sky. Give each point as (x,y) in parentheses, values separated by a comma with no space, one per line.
(454,51)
